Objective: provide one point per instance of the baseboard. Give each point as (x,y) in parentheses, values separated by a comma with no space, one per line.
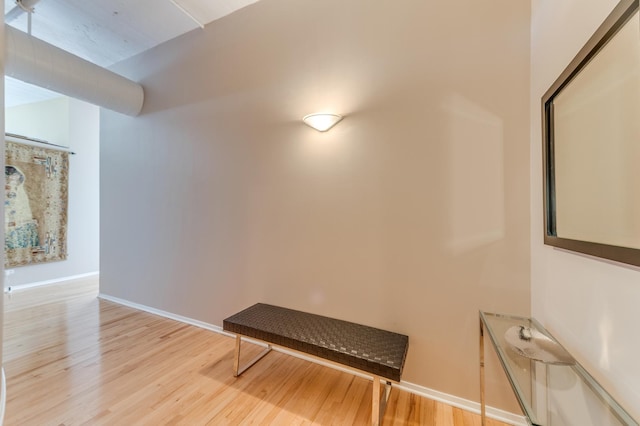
(465,404)
(165,314)
(20,287)
(3,396)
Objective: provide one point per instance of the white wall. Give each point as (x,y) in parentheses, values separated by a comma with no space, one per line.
(3,395)
(79,123)
(47,120)
(589,304)
(410,215)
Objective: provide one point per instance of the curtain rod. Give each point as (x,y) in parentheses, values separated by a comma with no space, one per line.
(63,148)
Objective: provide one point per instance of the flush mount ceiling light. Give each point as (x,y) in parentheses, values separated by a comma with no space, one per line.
(322,121)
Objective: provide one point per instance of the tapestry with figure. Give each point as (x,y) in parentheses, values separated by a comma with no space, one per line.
(35,204)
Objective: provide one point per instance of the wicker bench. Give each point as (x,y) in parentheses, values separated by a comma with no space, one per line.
(377,352)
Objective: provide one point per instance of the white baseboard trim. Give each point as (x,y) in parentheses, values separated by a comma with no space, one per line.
(165,314)
(20,287)
(465,404)
(3,396)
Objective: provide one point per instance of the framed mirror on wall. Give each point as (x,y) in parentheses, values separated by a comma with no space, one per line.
(591,144)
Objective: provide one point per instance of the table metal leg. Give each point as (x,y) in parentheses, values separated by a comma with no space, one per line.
(483,414)
(237,370)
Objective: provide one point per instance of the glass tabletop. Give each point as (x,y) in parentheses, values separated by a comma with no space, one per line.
(554,391)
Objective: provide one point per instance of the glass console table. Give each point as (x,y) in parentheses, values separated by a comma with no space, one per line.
(551,392)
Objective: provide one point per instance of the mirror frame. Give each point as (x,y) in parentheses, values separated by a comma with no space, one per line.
(614,22)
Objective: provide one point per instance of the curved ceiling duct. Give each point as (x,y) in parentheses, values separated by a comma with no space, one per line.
(34,61)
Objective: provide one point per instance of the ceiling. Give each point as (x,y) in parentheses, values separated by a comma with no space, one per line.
(108,31)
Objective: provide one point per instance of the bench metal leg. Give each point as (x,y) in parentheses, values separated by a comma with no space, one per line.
(378,406)
(237,370)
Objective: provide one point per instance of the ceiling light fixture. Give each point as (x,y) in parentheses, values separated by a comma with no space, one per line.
(322,121)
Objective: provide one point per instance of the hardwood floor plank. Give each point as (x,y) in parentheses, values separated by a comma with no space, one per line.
(73,359)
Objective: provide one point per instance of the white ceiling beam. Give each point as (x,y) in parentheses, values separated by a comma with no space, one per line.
(206,11)
(186,12)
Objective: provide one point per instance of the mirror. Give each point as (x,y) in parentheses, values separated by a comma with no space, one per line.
(591,141)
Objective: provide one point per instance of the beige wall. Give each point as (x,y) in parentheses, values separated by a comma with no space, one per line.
(590,305)
(410,215)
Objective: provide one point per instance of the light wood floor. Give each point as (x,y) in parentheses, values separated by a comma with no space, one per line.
(73,359)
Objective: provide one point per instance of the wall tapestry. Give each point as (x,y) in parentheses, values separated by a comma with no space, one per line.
(35,205)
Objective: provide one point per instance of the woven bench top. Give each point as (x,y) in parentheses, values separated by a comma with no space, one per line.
(369,349)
